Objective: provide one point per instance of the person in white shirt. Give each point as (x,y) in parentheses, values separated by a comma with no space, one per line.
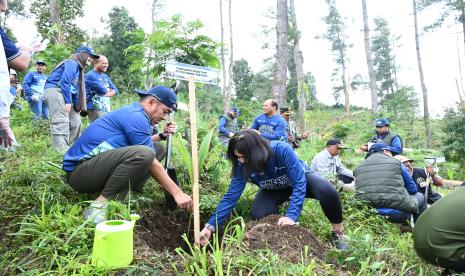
(327,162)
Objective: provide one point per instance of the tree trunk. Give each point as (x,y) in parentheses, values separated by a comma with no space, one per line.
(148,76)
(227,104)
(371,70)
(280,74)
(223,65)
(458,90)
(299,69)
(346,84)
(55,20)
(462,10)
(422,79)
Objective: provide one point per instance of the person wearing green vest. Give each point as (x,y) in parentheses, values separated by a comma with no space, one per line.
(384,134)
(227,126)
(385,183)
(439,234)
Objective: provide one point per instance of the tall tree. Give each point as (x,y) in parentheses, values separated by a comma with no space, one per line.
(124,33)
(243,77)
(298,59)
(310,83)
(223,61)
(229,87)
(422,78)
(280,73)
(371,70)
(336,34)
(383,59)
(55,19)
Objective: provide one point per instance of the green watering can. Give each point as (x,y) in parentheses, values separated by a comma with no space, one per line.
(113,243)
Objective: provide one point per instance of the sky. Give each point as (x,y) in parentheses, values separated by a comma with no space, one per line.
(440,49)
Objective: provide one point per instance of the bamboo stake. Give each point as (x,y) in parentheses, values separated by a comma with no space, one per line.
(195,159)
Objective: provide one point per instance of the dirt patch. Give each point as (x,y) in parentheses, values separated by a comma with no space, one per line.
(162,230)
(286,241)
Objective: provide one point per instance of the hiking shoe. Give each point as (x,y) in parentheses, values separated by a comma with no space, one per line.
(96,212)
(338,240)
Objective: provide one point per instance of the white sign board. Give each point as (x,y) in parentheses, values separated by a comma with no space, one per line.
(182,71)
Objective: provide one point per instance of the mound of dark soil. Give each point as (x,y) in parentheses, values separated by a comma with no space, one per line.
(286,241)
(162,229)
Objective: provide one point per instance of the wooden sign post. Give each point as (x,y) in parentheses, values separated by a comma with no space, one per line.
(195,159)
(192,74)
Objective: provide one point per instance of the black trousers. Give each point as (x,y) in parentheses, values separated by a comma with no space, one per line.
(114,172)
(267,202)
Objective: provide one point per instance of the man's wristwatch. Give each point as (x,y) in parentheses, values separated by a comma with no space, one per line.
(210,227)
(162,136)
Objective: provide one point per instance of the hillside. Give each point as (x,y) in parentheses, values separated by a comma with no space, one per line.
(42,230)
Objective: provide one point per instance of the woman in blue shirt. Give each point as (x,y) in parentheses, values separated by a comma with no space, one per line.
(65,96)
(281,176)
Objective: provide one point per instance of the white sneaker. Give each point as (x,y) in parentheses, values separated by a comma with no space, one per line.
(96,212)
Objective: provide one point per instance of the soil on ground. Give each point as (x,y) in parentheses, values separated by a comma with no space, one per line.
(159,232)
(286,241)
(162,229)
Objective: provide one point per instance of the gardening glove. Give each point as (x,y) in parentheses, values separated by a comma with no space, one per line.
(7,138)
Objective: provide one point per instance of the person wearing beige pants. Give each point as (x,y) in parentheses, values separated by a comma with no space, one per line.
(65,126)
(65,95)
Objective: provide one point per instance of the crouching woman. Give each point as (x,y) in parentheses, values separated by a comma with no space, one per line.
(281,176)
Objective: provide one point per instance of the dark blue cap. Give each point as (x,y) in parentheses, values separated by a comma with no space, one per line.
(236,110)
(41,62)
(379,147)
(382,122)
(163,94)
(87,50)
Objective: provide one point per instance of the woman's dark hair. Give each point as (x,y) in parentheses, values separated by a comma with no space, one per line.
(255,149)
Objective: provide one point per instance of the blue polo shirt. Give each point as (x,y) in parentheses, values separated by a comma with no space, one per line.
(33,84)
(96,88)
(127,126)
(66,77)
(271,128)
(284,170)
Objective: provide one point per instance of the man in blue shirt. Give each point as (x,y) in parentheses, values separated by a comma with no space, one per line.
(270,124)
(227,126)
(115,153)
(33,86)
(99,89)
(383,134)
(65,95)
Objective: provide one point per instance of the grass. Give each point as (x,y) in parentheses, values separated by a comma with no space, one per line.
(43,231)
